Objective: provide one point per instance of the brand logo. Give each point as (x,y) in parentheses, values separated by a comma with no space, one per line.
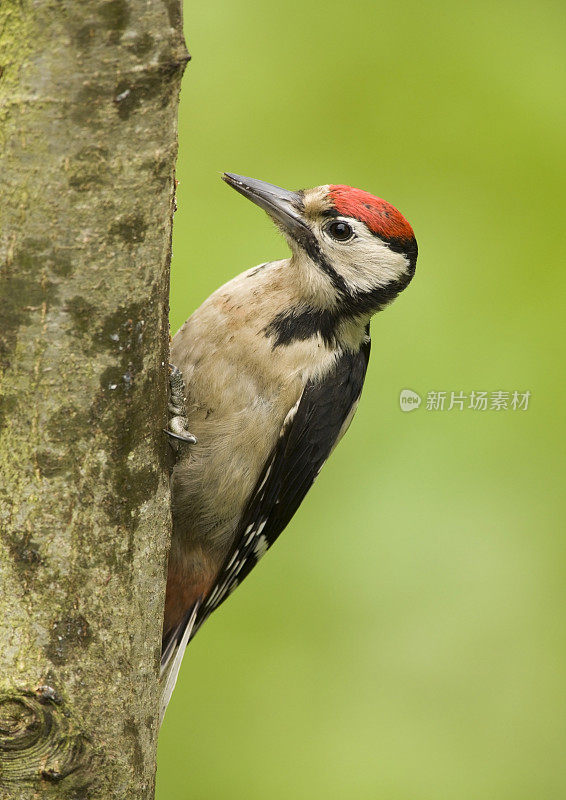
(409,400)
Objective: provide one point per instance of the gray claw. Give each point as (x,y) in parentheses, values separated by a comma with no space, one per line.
(178,416)
(188,437)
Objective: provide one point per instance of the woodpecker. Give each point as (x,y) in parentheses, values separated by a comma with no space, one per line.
(272,365)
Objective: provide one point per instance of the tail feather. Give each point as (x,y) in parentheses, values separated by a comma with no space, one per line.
(172,656)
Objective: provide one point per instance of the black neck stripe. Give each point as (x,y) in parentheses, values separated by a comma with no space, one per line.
(301,324)
(307,321)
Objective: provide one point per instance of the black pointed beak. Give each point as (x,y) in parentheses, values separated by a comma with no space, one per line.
(283,206)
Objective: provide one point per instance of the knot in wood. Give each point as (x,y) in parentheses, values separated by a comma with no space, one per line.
(37,740)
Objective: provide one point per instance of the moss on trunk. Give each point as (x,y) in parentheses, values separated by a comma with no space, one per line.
(88,110)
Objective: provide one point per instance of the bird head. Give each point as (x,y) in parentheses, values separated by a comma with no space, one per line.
(355,251)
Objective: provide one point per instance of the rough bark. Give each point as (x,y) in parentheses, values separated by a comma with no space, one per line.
(88,108)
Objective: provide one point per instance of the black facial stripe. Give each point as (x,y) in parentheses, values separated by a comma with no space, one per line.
(310,244)
(352,301)
(374,299)
(408,248)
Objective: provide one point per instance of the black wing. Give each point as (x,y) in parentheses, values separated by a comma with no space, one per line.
(309,433)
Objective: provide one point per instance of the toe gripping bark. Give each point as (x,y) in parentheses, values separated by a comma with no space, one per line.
(177,428)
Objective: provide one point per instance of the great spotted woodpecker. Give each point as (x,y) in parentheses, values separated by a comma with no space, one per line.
(273,363)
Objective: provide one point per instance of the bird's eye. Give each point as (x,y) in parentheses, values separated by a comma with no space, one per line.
(340,231)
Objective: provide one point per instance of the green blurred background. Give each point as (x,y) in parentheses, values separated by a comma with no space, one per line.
(405,639)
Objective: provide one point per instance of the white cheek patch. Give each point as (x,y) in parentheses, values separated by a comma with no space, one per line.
(365,262)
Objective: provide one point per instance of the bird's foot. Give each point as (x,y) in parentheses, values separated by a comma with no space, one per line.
(177,429)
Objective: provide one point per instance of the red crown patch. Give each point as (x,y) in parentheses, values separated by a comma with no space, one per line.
(380,216)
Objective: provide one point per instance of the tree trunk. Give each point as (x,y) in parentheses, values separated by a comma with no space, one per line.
(88,109)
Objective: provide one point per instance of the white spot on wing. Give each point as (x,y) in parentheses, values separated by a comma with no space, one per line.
(264,481)
(261,546)
(290,416)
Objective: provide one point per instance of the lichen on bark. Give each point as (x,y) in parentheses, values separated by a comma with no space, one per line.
(88,108)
